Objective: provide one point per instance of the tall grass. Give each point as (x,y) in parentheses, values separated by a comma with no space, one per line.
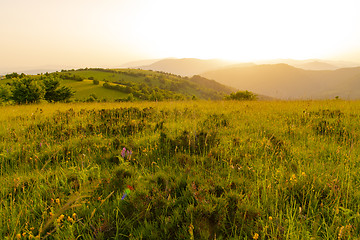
(180,170)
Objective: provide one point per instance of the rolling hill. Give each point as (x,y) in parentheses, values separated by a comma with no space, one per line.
(287,82)
(126,84)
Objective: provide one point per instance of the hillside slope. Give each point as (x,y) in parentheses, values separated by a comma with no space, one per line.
(142,82)
(134,84)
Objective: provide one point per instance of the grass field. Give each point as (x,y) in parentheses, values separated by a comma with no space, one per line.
(181,170)
(86,87)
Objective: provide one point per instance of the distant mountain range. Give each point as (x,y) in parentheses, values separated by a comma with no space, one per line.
(193,66)
(186,66)
(287,82)
(281,78)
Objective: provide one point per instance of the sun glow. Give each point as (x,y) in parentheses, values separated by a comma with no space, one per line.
(246,30)
(94,33)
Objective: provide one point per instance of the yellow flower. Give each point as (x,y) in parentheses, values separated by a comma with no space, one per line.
(74,215)
(60,218)
(191,228)
(70,219)
(256,236)
(58,201)
(18,236)
(270,218)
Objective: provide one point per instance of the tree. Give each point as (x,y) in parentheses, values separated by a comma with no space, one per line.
(96,82)
(5,93)
(130,98)
(14,75)
(26,90)
(241,95)
(55,93)
(92,98)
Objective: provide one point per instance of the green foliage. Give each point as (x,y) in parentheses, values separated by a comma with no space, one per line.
(26,90)
(142,83)
(241,95)
(14,75)
(55,93)
(5,93)
(96,82)
(92,98)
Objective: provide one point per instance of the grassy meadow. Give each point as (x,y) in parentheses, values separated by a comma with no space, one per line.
(181,170)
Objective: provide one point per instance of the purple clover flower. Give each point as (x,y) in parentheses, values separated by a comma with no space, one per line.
(123,152)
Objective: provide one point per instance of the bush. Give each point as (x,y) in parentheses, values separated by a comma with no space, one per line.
(241,95)
(96,82)
(27,90)
(14,75)
(55,94)
(5,93)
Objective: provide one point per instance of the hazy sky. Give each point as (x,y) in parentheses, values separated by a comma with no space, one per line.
(108,33)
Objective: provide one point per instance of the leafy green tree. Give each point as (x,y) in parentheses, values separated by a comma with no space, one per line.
(130,98)
(26,90)
(55,93)
(92,98)
(241,95)
(5,93)
(96,82)
(14,75)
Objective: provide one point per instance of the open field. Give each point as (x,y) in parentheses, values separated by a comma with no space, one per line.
(181,170)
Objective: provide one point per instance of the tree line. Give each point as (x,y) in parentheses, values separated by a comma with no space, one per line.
(24,89)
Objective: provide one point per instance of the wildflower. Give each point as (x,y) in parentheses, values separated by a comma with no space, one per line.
(191,231)
(60,218)
(129,153)
(256,236)
(270,218)
(74,215)
(123,152)
(18,236)
(303,174)
(341,232)
(293,177)
(70,219)
(57,201)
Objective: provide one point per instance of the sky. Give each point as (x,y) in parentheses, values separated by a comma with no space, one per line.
(109,33)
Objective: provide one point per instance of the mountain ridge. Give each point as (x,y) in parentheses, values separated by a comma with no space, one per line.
(287,82)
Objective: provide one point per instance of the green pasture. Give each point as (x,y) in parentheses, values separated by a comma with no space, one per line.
(180,170)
